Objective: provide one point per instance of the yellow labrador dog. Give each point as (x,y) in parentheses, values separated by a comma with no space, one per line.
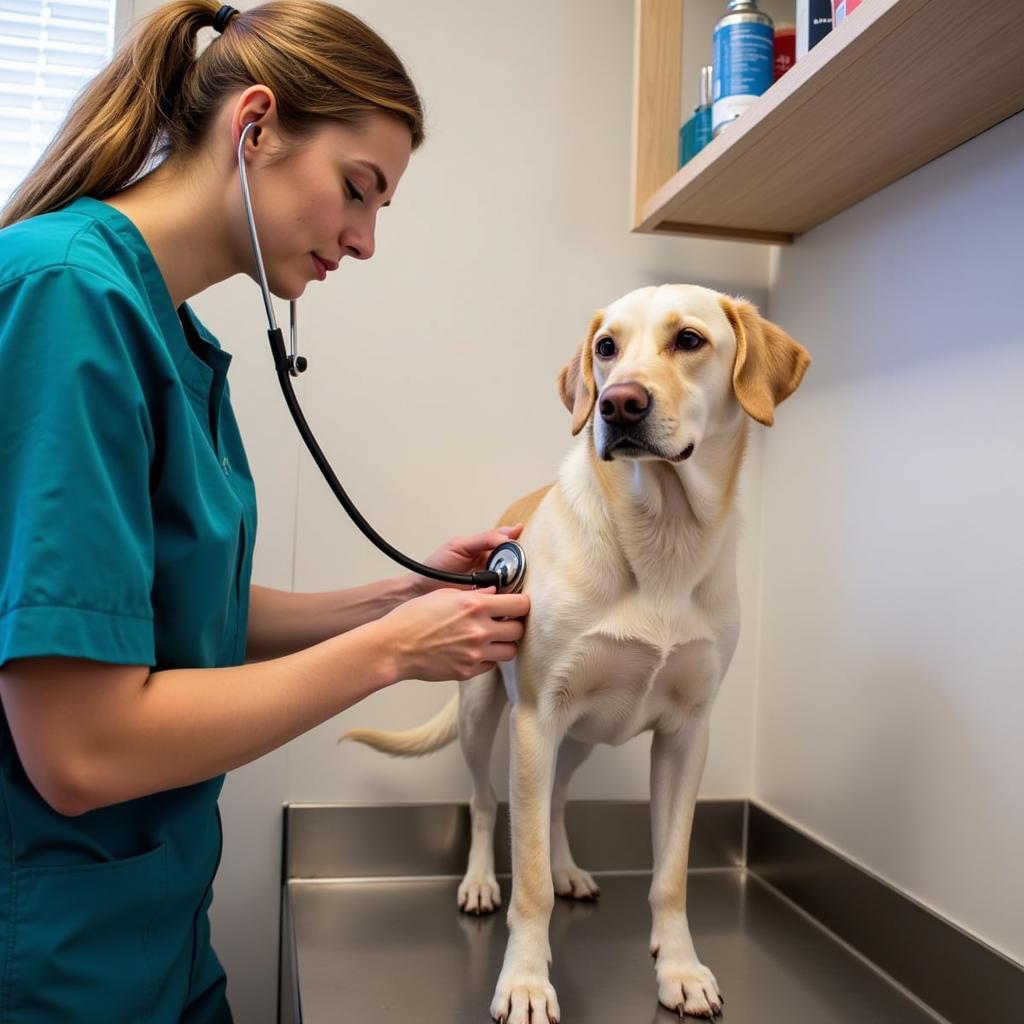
(634,617)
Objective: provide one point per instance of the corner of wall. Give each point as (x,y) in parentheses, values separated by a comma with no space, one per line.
(758,617)
(773,275)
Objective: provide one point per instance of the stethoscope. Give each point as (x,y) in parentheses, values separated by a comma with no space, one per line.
(506,567)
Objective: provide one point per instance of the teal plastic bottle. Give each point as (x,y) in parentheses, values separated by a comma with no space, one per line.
(695,134)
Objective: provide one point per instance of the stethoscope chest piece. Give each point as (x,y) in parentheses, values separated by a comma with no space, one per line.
(508,560)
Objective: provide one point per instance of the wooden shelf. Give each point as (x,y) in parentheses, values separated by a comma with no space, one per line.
(897,84)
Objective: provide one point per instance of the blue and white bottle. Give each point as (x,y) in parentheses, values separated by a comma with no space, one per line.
(744,62)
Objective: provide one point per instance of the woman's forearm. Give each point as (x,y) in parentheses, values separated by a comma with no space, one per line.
(282,623)
(91,734)
(193,724)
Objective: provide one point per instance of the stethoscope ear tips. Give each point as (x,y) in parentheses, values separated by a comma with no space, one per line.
(508,562)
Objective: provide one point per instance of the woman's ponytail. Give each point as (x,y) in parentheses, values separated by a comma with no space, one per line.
(157,98)
(118,121)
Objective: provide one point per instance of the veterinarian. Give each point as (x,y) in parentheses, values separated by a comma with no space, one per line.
(137,663)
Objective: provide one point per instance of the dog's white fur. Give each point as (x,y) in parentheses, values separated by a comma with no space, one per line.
(634,619)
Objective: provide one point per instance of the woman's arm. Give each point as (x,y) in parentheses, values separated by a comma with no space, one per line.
(91,734)
(282,623)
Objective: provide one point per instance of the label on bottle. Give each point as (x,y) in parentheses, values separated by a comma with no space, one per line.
(694,135)
(744,68)
(702,128)
(813,23)
(841,8)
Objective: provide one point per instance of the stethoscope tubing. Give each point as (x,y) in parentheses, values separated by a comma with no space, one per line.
(250,220)
(289,366)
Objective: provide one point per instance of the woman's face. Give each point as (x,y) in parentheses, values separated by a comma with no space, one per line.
(319,202)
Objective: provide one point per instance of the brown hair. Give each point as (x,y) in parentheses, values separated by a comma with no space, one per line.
(157,99)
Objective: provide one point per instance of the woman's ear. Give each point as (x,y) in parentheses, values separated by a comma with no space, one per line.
(576,379)
(769,363)
(257,103)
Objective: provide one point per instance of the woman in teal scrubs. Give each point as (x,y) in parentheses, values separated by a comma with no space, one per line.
(137,663)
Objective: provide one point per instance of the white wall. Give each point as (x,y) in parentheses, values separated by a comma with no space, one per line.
(892,655)
(432,389)
(889,652)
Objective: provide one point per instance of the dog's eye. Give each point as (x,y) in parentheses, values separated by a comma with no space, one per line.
(605,348)
(689,340)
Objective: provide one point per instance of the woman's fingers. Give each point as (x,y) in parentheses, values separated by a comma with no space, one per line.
(510,631)
(481,542)
(507,606)
(501,651)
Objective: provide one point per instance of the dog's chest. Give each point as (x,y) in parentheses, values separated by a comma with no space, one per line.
(639,662)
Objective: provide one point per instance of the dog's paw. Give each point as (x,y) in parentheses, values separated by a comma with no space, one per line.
(574,883)
(689,988)
(479,894)
(525,997)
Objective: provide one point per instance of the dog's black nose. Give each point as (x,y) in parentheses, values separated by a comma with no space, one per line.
(625,404)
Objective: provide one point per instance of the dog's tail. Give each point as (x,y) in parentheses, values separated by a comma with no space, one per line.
(425,739)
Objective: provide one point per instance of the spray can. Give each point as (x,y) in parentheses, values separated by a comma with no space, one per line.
(744,45)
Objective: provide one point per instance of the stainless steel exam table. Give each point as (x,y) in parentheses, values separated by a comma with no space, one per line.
(372,932)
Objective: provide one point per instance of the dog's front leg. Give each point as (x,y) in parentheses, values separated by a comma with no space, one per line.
(570,879)
(677,763)
(523,986)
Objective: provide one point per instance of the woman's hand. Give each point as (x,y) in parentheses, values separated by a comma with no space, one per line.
(464,555)
(455,634)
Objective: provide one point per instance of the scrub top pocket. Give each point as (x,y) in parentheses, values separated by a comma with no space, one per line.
(82,942)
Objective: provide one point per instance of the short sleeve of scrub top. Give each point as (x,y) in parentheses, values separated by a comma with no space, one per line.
(127,523)
(78,445)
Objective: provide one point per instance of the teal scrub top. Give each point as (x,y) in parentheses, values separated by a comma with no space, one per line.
(127,524)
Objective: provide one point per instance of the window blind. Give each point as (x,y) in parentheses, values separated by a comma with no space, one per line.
(48,52)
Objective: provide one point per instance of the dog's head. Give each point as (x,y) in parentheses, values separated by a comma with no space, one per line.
(666,367)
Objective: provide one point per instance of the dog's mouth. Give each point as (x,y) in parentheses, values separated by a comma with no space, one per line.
(628,447)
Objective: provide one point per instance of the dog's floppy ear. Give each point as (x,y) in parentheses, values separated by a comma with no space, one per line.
(769,363)
(576,379)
